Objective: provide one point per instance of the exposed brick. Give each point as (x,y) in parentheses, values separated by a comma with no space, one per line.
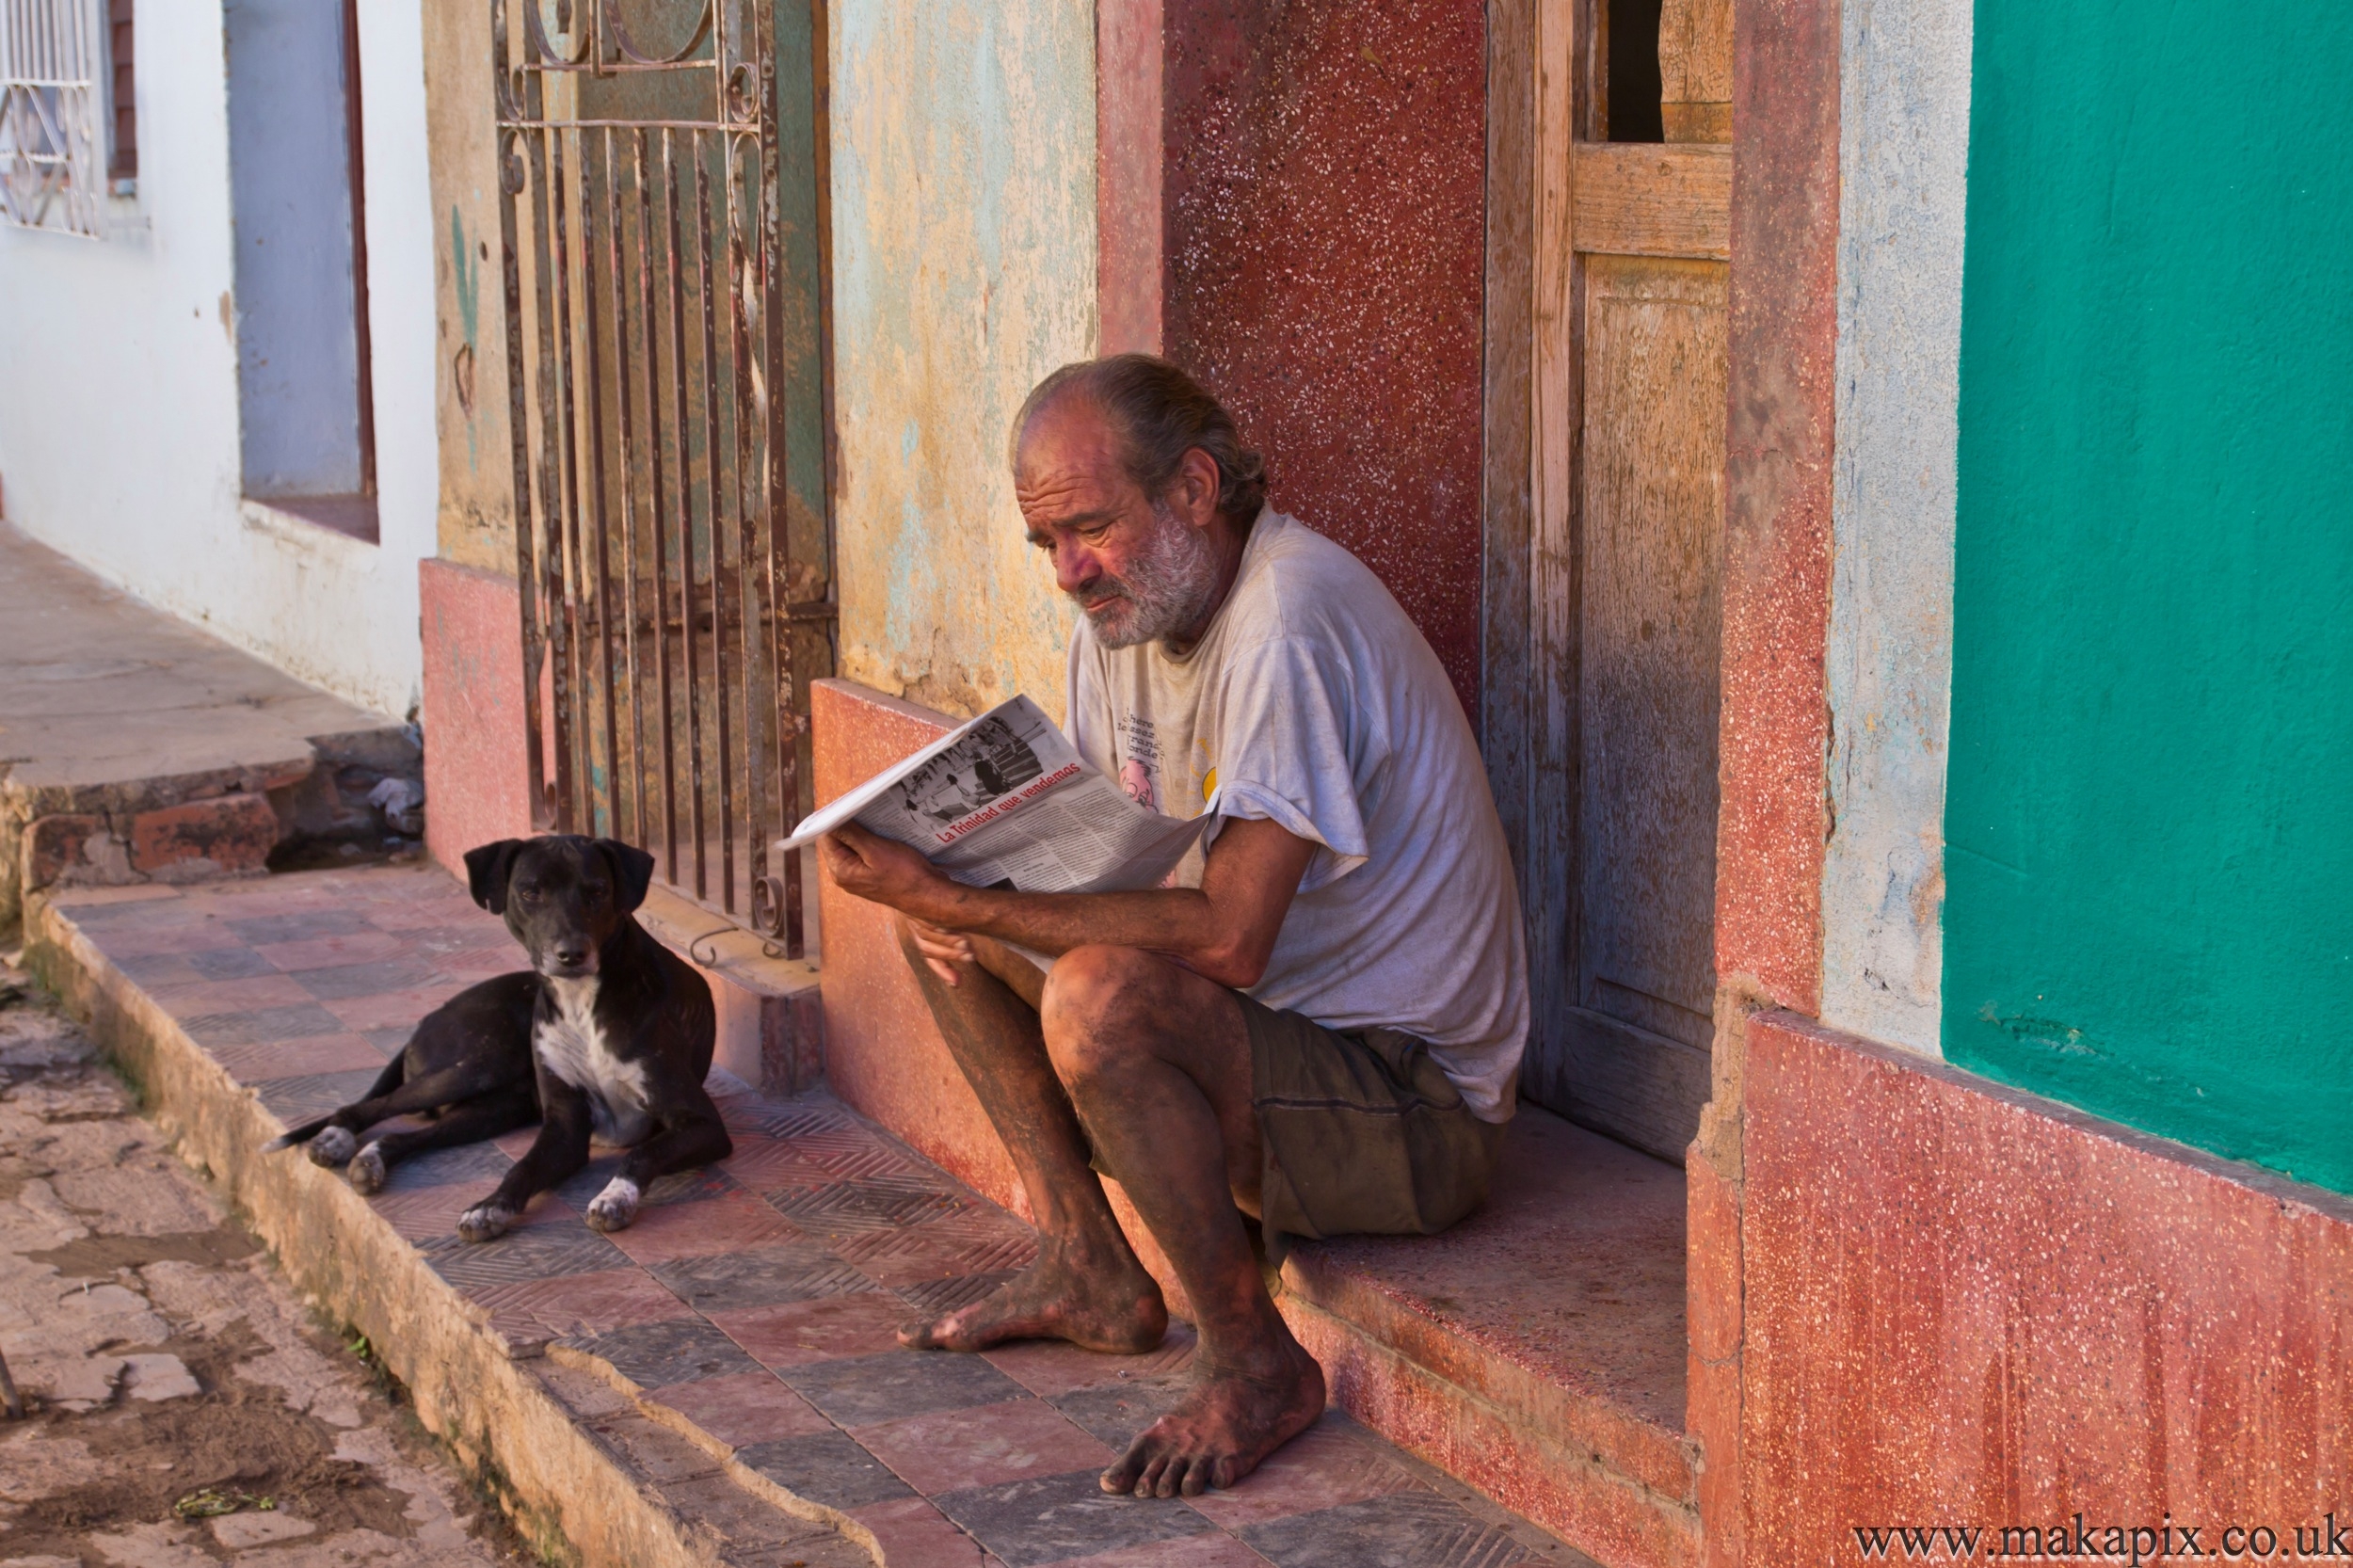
(231,832)
(53,846)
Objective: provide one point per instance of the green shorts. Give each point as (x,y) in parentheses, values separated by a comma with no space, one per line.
(1364,1134)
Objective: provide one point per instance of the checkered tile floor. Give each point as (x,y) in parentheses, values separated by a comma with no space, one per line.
(758,1300)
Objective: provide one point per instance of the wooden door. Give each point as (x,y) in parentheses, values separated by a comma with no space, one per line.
(1628,458)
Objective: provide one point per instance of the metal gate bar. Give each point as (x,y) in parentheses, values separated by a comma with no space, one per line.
(664,694)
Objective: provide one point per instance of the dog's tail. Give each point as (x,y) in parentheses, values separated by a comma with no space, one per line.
(302,1134)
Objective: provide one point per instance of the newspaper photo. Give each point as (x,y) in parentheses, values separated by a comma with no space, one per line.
(1005,802)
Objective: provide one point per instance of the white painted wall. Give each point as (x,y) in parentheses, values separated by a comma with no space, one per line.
(1903,185)
(119,429)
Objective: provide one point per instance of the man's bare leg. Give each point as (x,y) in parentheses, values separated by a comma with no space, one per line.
(1158,1062)
(1086,1286)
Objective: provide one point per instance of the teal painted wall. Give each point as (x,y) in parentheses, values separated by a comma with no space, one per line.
(2150,817)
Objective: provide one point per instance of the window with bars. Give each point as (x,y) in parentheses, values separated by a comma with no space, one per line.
(52,87)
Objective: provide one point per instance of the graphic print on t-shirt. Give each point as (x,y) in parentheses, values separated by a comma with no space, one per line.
(1140,764)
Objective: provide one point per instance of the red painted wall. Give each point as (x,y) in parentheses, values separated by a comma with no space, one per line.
(477,782)
(884,1055)
(1323,191)
(1968,1305)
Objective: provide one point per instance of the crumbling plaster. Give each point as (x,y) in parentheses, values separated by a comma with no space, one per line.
(964,249)
(468,345)
(1903,169)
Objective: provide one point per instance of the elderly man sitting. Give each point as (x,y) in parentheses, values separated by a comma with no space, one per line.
(1319,1022)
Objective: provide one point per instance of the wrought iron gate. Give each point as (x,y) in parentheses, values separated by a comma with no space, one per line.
(668,633)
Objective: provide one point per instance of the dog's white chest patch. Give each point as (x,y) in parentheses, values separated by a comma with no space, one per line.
(573,1046)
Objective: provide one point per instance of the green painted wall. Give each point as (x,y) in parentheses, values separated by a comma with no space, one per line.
(2149,816)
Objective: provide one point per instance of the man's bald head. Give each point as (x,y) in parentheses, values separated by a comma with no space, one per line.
(1155,414)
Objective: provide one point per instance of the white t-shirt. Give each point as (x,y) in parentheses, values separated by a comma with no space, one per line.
(1313,702)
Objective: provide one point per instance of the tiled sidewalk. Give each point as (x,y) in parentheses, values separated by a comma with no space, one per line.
(755,1302)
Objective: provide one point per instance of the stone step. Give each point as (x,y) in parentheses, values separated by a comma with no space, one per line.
(718,1382)
(1536,1352)
(140,749)
(772,1027)
(225,1064)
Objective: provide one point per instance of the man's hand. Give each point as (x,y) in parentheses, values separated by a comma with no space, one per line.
(943,950)
(1223,930)
(880,869)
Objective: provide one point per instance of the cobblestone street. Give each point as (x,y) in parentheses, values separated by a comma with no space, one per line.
(161,1356)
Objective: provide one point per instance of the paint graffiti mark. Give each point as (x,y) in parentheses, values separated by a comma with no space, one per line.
(467,273)
(2051,1034)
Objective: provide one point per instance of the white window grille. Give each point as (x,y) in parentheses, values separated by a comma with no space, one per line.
(51,163)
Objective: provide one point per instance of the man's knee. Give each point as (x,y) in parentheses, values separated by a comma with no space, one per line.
(1089,1009)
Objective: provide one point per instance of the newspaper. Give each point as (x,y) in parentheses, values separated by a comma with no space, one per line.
(1006,802)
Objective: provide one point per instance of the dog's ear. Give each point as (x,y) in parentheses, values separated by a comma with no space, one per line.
(632,871)
(486,871)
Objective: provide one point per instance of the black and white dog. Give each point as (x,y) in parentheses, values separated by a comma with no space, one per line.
(621,1033)
(467,1070)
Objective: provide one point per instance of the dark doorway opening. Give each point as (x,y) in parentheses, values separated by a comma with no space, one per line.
(1631,38)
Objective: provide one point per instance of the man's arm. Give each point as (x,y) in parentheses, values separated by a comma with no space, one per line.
(1223,930)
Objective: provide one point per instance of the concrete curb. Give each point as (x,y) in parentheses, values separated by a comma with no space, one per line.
(600,1494)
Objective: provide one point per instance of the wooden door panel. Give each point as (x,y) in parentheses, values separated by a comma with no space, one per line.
(1653,533)
(1695,70)
(1626,496)
(1633,1084)
(1649,198)
(1651,512)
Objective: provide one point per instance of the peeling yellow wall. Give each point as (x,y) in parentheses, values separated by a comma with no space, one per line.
(477,519)
(963,270)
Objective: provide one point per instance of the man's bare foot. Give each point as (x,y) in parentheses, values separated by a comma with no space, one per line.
(1224,1427)
(1111,1306)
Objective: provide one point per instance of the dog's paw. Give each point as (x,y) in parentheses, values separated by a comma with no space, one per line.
(367,1170)
(483,1222)
(616,1207)
(333,1147)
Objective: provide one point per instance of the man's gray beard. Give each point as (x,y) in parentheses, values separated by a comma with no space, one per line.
(1166,587)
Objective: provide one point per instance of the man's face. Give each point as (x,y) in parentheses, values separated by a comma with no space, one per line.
(1139,571)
